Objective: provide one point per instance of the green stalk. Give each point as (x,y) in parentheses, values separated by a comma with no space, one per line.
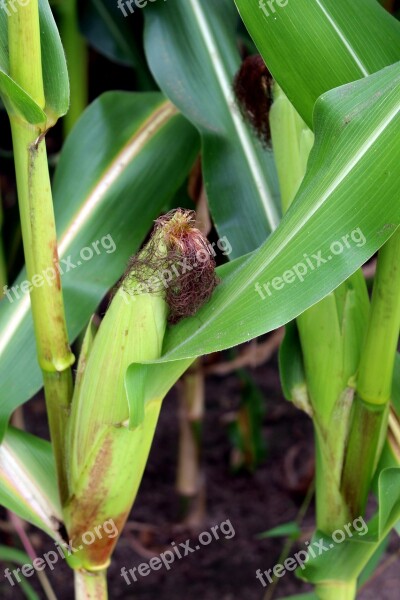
(375,378)
(376,369)
(331,336)
(90,585)
(319,329)
(77,60)
(38,228)
(25,50)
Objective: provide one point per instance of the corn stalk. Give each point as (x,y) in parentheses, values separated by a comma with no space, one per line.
(38,227)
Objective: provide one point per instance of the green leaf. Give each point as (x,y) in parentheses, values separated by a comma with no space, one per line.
(28,483)
(55,75)
(351,189)
(345,561)
(190,46)
(13,96)
(17,100)
(116,37)
(145,383)
(124,160)
(84,353)
(312,46)
(13,555)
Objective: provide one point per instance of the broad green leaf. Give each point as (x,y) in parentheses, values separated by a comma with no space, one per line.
(116,37)
(345,561)
(28,483)
(350,192)
(190,46)
(55,76)
(124,160)
(312,46)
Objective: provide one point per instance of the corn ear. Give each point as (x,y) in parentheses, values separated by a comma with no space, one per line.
(109,435)
(106,459)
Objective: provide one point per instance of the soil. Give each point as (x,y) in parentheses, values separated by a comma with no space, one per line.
(252,502)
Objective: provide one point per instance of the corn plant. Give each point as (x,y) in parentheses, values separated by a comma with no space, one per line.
(302,216)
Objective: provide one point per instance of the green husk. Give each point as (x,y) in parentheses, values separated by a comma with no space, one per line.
(109,437)
(105,460)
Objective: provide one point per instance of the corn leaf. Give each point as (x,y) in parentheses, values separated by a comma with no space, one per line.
(120,166)
(55,76)
(312,46)
(351,187)
(190,46)
(28,483)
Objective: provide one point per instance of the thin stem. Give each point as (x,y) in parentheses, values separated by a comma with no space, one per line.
(324,341)
(332,512)
(25,50)
(375,378)
(368,423)
(91,585)
(38,231)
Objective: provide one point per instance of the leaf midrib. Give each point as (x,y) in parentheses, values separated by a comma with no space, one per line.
(363,69)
